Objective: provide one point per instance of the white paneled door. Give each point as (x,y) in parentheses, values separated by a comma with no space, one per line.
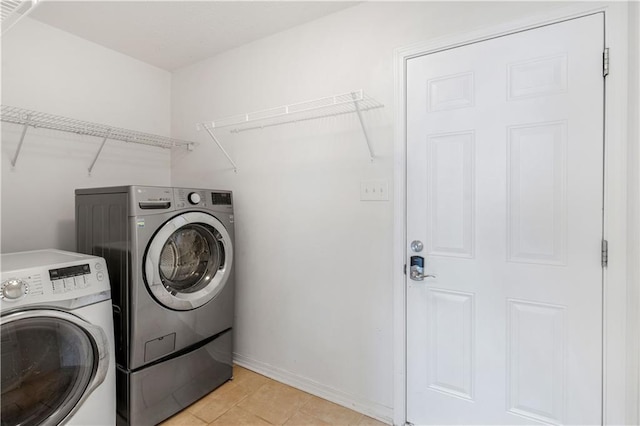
(505,193)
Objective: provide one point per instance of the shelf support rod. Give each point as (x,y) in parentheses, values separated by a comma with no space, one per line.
(104,141)
(24,132)
(235,168)
(364,129)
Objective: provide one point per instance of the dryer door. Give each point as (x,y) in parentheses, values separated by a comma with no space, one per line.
(51,362)
(188,261)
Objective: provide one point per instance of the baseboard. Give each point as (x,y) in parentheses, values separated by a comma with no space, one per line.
(353,402)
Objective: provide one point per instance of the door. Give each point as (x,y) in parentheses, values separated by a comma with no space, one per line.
(505,184)
(188,261)
(51,361)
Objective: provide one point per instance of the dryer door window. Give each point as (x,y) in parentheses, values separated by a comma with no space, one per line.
(51,361)
(188,261)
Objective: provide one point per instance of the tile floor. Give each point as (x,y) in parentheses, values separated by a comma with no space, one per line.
(252,399)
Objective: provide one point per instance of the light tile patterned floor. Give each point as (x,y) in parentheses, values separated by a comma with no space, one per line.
(252,399)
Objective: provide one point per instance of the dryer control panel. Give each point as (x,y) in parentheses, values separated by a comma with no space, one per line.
(78,276)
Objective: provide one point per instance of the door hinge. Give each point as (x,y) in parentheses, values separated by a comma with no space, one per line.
(605,62)
(605,253)
(405,269)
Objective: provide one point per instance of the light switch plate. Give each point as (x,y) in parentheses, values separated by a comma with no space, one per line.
(374,190)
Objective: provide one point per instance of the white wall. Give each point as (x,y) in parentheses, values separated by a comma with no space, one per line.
(314,305)
(633,167)
(48,70)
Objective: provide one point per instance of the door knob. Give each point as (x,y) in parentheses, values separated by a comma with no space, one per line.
(416,246)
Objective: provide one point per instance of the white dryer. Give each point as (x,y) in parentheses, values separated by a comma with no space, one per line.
(57,340)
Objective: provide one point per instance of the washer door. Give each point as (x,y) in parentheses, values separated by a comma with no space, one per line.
(188,261)
(51,361)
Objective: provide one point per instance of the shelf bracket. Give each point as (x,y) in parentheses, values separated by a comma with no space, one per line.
(104,141)
(210,131)
(24,132)
(364,129)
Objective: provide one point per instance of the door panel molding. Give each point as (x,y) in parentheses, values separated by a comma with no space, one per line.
(616,329)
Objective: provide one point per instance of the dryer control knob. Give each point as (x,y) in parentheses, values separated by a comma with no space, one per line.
(194,198)
(14,289)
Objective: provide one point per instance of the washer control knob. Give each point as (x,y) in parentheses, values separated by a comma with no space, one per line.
(194,198)
(14,289)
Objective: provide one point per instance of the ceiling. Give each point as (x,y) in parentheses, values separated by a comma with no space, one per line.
(175,34)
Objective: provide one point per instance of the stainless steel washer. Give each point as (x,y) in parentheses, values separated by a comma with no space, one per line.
(170,255)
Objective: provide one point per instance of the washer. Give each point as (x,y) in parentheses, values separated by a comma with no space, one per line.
(57,340)
(170,257)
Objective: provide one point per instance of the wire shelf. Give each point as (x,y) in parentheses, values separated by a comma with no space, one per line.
(28,118)
(54,122)
(330,106)
(7,7)
(12,11)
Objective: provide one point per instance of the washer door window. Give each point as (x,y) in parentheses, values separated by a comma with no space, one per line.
(188,261)
(51,361)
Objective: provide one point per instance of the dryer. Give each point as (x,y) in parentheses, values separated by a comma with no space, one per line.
(170,256)
(57,340)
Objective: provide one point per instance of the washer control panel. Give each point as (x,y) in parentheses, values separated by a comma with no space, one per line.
(208,199)
(189,198)
(53,283)
(194,198)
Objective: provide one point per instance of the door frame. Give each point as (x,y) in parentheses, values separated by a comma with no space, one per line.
(620,406)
